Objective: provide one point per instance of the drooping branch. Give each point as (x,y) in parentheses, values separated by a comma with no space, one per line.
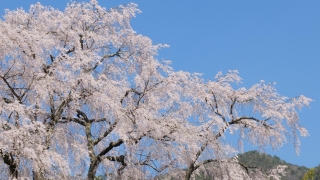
(55,116)
(11,89)
(215,101)
(193,166)
(154,167)
(231,107)
(215,107)
(263,122)
(107,56)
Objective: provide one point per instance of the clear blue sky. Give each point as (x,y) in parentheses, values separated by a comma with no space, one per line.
(275,41)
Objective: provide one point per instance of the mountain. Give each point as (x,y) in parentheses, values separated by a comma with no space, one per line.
(266,161)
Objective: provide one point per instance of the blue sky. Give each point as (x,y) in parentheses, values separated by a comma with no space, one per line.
(275,41)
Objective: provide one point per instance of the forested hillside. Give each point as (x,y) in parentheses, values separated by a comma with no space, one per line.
(266,161)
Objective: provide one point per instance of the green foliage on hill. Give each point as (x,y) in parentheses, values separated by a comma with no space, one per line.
(265,161)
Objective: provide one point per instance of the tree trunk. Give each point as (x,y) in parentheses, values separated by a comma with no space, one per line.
(13,170)
(189,171)
(37,175)
(9,160)
(92,170)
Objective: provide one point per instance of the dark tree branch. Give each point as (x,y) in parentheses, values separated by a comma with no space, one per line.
(110,147)
(81,41)
(71,50)
(127,93)
(106,133)
(119,159)
(6,100)
(246,167)
(146,163)
(263,122)
(98,120)
(9,160)
(27,89)
(231,107)
(11,89)
(52,58)
(204,162)
(215,108)
(76,120)
(80,113)
(55,117)
(216,103)
(107,56)
(216,160)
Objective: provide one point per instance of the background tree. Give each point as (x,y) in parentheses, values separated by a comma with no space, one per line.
(82,94)
(309,174)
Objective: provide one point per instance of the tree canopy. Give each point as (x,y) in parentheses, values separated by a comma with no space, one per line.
(82,94)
